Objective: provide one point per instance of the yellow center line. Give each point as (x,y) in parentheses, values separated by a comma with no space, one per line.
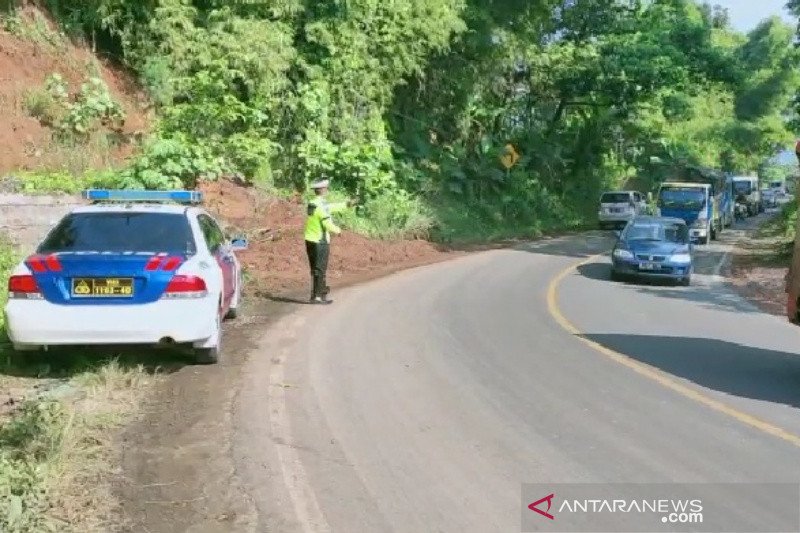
(652,373)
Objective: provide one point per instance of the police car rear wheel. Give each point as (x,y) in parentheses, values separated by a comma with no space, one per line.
(209,356)
(233,311)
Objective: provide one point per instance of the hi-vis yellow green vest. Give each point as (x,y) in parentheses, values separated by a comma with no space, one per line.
(319,225)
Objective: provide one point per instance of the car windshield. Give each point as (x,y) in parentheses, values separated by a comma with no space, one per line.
(688,197)
(121,232)
(657,231)
(742,187)
(615,198)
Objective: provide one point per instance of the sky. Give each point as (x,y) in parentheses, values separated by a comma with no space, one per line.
(746,14)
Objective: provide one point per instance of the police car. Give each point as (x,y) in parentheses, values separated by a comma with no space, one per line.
(134,267)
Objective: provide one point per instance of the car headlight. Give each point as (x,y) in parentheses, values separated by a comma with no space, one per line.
(619,253)
(681,258)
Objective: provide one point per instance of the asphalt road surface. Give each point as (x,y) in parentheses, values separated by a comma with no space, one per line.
(422,402)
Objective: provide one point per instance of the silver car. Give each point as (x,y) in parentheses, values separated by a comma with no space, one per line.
(618,207)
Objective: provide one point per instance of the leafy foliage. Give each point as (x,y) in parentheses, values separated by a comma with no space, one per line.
(77,116)
(418,99)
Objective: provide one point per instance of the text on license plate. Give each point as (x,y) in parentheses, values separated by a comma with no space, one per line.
(102,287)
(649,266)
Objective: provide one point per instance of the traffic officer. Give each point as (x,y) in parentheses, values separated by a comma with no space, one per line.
(319,227)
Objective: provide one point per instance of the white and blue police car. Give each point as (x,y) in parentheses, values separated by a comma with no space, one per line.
(132,267)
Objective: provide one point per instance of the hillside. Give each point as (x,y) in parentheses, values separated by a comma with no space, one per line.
(32,48)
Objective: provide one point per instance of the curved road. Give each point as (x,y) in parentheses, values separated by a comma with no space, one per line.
(422,402)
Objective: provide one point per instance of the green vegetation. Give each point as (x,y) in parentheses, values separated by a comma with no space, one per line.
(60,182)
(410,105)
(782,228)
(55,450)
(8,260)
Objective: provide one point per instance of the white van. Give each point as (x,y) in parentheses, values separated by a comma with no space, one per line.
(618,207)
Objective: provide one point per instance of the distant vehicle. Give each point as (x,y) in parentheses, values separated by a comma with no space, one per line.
(136,267)
(694,204)
(728,207)
(778,185)
(618,207)
(748,185)
(653,247)
(769,197)
(741,211)
(721,195)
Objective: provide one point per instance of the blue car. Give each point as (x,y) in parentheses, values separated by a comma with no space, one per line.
(653,247)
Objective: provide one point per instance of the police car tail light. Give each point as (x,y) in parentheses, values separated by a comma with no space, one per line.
(163,262)
(186,287)
(40,264)
(23,287)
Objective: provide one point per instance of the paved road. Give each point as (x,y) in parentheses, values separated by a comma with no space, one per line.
(423,401)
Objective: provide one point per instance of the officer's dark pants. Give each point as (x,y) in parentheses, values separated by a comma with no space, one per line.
(318,260)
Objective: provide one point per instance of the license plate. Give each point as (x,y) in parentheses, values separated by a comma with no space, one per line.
(649,266)
(102,287)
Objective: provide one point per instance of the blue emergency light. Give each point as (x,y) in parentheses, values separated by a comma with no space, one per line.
(121,195)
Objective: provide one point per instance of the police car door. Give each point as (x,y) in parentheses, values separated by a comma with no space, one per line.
(217,245)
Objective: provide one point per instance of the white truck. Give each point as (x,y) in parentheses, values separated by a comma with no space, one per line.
(748,187)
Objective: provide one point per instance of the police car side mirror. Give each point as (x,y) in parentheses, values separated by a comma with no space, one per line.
(238,244)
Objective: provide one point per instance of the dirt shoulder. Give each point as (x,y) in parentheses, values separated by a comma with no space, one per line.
(758,268)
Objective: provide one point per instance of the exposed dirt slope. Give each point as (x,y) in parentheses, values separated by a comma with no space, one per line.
(276,261)
(31,49)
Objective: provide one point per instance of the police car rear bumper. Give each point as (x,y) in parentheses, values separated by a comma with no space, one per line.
(41,323)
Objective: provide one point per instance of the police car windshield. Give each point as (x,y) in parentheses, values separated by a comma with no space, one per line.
(121,232)
(657,231)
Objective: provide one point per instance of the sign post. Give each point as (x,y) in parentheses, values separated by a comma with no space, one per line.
(510,157)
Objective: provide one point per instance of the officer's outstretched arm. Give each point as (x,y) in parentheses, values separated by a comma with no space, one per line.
(329,226)
(337,207)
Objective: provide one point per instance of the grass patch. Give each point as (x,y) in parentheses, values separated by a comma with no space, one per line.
(389,218)
(57,456)
(459,224)
(782,229)
(32,26)
(48,182)
(8,259)
(41,105)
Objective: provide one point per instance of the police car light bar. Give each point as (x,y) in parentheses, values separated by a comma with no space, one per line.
(106,195)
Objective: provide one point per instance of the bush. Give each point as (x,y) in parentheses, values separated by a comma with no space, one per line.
(393,215)
(41,105)
(8,260)
(46,182)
